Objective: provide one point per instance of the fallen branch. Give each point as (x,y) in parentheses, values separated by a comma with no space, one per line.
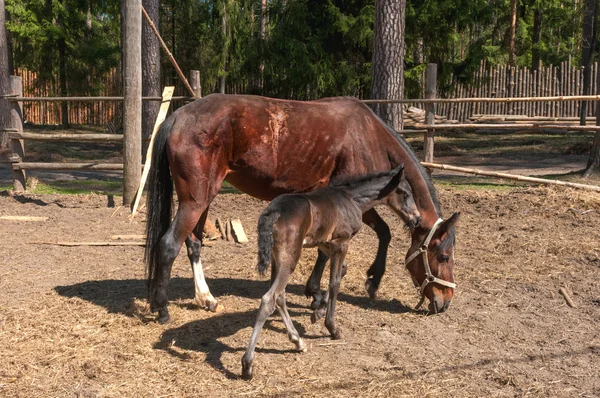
(570,302)
(125,237)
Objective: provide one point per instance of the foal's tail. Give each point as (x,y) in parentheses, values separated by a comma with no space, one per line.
(265,239)
(159,201)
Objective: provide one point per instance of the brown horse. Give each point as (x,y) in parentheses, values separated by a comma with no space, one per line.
(266,147)
(327,218)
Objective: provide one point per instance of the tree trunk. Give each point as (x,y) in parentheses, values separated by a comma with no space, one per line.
(388,59)
(150,70)
(263,28)
(4,79)
(62,65)
(593,165)
(513,28)
(588,44)
(537,34)
(225,49)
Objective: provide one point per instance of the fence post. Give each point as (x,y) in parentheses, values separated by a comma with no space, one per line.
(195,83)
(16,125)
(430,93)
(131,25)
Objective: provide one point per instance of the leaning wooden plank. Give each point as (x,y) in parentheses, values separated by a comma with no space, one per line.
(219,223)
(511,176)
(238,231)
(23,218)
(162,114)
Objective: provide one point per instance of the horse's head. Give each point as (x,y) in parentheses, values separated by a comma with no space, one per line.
(403,204)
(430,261)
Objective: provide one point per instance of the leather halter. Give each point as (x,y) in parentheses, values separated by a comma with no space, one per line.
(429,277)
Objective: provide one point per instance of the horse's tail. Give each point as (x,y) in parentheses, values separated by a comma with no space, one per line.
(159,200)
(265,239)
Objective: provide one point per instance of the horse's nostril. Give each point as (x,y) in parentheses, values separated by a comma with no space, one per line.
(418,221)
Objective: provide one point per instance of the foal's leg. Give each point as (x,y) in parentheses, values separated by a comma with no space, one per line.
(293,334)
(335,279)
(194,244)
(313,285)
(377,269)
(267,307)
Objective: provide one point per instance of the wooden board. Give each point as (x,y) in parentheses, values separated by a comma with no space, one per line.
(238,231)
(162,114)
(23,218)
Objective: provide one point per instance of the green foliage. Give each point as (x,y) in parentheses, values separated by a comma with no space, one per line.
(311,49)
(90,31)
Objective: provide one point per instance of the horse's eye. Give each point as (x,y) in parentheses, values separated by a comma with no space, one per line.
(444,258)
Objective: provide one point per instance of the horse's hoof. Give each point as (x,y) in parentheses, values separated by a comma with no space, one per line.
(215,307)
(370,288)
(300,346)
(163,316)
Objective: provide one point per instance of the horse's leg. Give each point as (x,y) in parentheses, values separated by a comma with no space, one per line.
(267,307)
(335,279)
(168,248)
(313,285)
(377,269)
(194,244)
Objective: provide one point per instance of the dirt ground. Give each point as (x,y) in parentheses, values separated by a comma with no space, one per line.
(74,321)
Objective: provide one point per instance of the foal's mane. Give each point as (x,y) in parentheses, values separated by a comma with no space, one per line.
(352,182)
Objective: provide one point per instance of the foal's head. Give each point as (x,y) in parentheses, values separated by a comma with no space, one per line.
(402,202)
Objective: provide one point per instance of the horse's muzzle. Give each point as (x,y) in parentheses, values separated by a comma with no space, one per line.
(437,305)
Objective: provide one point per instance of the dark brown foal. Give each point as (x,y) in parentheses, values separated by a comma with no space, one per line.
(328,218)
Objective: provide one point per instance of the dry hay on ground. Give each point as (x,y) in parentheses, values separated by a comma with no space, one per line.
(73,321)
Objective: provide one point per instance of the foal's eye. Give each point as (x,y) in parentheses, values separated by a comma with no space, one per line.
(444,258)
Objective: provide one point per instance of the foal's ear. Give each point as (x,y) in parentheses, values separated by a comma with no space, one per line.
(396,176)
(449,223)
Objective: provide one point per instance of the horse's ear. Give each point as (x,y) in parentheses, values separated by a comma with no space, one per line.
(449,223)
(396,174)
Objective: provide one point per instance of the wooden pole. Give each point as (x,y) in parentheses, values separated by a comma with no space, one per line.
(131,28)
(169,55)
(16,125)
(196,83)
(430,93)
(511,176)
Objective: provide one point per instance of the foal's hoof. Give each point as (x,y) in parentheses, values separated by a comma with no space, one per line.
(300,346)
(336,334)
(246,371)
(315,304)
(316,315)
(370,288)
(163,316)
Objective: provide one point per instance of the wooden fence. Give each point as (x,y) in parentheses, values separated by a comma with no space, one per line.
(505,82)
(499,81)
(89,113)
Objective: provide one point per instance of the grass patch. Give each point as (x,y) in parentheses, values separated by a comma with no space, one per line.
(62,187)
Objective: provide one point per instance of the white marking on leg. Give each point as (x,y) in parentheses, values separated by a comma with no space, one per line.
(202,292)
